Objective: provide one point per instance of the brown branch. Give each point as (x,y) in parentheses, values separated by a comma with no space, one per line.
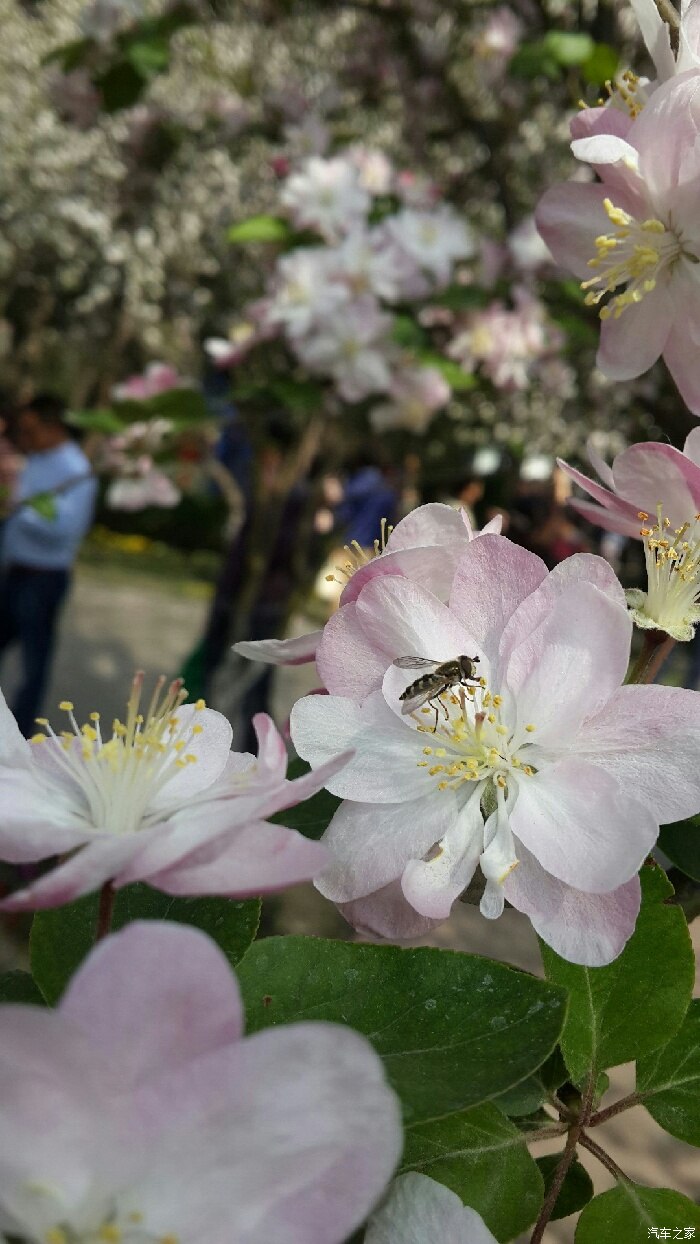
(656,646)
(617,1107)
(604,1158)
(567,1158)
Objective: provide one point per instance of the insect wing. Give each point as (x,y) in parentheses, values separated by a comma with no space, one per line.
(421,696)
(415,663)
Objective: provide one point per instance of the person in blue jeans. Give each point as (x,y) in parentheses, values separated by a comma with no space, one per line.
(39,545)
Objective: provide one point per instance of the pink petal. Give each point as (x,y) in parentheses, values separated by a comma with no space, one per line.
(36,822)
(570,217)
(14,748)
(630,344)
(620,510)
(152,998)
(347,663)
(370,844)
(665,134)
(691,449)
(400,619)
(591,929)
(681,353)
(88,869)
(647,474)
(646,738)
(387,914)
(605,120)
(384,768)
(610,520)
(571,664)
(257,858)
(656,36)
(616,162)
(433,567)
(281,651)
(272,750)
(433,524)
(418,1210)
(493,577)
(583,826)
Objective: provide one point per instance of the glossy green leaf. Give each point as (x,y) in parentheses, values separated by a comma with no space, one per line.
(632,1007)
(484,1159)
(527,1096)
(625,1214)
(602,64)
(262,228)
(452,1029)
(669,1080)
(103,420)
(120,86)
(576,1190)
(62,937)
(19,987)
(681,843)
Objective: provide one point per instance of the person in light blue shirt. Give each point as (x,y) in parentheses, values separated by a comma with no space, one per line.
(39,542)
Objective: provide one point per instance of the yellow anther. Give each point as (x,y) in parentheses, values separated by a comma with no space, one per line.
(197,729)
(427,751)
(94,716)
(501,781)
(436,769)
(491,717)
(440,751)
(199,705)
(482,682)
(135,1216)
(529,727)
(179,746)
(191,760)
(66,706)
(498,700)
(41,721)
(110,1233)
(89,732)
(38,738)
(169,1239)
(502,730)
(55,1235)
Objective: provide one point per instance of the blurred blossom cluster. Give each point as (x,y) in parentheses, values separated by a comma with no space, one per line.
(508,343)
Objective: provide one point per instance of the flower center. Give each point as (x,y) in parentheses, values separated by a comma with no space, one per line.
(359,556)
(672,557)
(632,254)
(120,775)
(110,1232)
(473,744)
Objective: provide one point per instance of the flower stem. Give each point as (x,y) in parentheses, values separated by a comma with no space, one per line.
(656,646)
(604,1158)
(625,1103)
(106,908)
(567,1158)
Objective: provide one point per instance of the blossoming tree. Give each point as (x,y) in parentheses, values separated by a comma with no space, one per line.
(482,733)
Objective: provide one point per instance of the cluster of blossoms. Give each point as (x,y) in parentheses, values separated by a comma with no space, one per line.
(542,769)
(633,236)
(332,302)
(509,344)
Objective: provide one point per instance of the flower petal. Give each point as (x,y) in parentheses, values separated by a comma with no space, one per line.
(493,577)
(38,820)
(591,929)
(252,859)
(386,913)
(370,844)
(613,508)
(569,664)
(400,619)
(88,869)
(295,651)
(211,748)
(418,1210)
(347,664)
(582,825)
(14,748)
(647,738)
(151,998)
(570,217)
(681,354)
(632,342)
(433,885)
(384,768)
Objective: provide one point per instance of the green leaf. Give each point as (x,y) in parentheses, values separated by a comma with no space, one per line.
(484,1159)
(576,1190)
(625,1214)
(105,421)
(301,397)
(406,332)
(602,64)
(456,377)
(120,86)
(19,987)
(62,937)
(452,1029)
(527,1096)
(262,228)
(568,49)
(69,55)
(681,843)
(669,1081)
(312,817)
(626,1010)
(44,503)
(149,56)
(533,60)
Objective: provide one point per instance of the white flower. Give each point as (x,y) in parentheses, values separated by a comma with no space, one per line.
(305,291)
(416,394)
(434,239)
(672,601)
(326,195)
(350,347)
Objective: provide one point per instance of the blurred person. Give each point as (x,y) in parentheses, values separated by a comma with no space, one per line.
(49,514)
(359,510)
(557,537)
(466,493)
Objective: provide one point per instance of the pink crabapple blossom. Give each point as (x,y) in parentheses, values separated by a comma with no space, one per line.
(424,546)
(157,378)
(418,1210)
(652,491)
(326,195)
(159,797)
(549,774)
(635,237)
(415,396)
(138,1112)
